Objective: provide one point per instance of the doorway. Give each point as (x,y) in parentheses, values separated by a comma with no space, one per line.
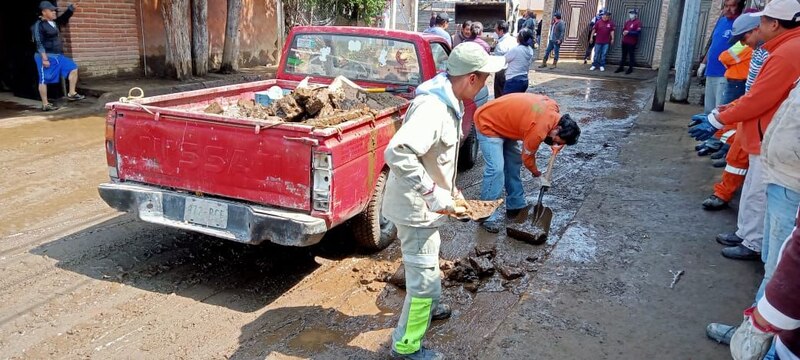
(17,69)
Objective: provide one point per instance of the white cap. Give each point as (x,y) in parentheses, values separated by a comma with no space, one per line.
(781,10)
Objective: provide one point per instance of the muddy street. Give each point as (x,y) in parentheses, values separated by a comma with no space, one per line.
(81,280)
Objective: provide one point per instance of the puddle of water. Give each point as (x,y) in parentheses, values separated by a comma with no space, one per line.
(315,340)
(9,109)
(577,244)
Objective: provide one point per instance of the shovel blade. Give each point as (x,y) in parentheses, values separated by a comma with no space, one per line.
(542,217)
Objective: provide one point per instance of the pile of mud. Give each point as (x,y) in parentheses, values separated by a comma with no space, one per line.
(480,209)
(319,107)
(471,272)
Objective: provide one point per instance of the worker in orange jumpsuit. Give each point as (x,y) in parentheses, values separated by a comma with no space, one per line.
(737,63)
(732,177)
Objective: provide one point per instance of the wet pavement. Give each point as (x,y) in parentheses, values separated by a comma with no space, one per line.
(85,281)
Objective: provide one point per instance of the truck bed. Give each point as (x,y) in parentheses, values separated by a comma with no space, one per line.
(168,141)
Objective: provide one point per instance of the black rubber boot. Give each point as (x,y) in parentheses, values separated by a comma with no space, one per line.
(713,203)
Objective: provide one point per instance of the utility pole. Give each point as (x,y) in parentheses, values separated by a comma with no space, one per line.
(683,65)
(667,58)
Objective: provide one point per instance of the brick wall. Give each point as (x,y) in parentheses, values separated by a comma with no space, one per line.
(103,37)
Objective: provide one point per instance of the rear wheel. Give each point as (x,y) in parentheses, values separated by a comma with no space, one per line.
(372,231)
(468,155)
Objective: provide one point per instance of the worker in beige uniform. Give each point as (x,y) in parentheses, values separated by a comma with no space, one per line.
(421,190)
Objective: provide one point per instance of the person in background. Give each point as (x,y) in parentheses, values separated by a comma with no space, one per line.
(463,34)
(630,36)
(518,62)
(521,22)
(530,22)
(603,33)
(440,28)
(505,42)
(590,45)
(421,190)
(50,60)
(432,23)
(477,32)
(557,33)
(711,67)
(539,32)
(501,124)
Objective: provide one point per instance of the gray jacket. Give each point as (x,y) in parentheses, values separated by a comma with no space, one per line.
(422,154)
(780,149)
(557,31)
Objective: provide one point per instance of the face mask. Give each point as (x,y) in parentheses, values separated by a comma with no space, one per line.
(548,140)
(632,16)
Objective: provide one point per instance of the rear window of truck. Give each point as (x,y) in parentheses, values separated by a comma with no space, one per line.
(355,57)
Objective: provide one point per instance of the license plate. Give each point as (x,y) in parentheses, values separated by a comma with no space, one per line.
(206,212)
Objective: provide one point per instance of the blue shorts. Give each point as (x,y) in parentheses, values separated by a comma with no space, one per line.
(60,66)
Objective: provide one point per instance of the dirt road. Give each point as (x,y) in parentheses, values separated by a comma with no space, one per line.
(80,280)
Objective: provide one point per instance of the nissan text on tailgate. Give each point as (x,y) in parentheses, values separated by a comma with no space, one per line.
(209,161)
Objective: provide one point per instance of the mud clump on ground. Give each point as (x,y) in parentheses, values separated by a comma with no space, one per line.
(527,233)
(319,107)
(479,209)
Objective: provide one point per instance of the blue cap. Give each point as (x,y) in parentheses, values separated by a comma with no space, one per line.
(742,25)
(557,14)
(633,11)
(46,5)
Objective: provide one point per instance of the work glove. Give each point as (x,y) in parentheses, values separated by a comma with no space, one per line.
(439,200)
(697,118)
(750,341)
(701,70)
(706,128)
(71,7)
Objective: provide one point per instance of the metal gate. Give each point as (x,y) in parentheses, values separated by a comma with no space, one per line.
(649,15)
(702,31)
(576,15)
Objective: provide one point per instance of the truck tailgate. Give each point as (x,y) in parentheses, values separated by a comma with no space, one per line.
(162,144)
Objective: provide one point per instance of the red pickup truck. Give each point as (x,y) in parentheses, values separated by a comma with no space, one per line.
(250,180)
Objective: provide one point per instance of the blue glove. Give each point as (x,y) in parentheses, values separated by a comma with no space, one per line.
(71,7)
(697,118)
(703,130)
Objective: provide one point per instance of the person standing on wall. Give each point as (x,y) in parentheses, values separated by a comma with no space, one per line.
(590,45)
(630,37)
(50,60)
(557,32)
(603,33)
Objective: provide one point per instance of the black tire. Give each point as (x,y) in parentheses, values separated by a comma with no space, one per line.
(468,155)
(372,231)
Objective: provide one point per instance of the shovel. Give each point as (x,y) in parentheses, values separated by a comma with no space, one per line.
(537,230)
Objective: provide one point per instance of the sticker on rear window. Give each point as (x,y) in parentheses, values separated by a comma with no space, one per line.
(305,43)
(354,45)
(323,53)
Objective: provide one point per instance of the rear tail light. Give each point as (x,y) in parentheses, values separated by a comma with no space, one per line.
(323,177)
(111,151)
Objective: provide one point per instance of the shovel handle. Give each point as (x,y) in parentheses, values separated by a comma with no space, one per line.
(549,175)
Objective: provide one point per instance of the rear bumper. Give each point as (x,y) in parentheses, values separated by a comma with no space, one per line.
(249,224)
